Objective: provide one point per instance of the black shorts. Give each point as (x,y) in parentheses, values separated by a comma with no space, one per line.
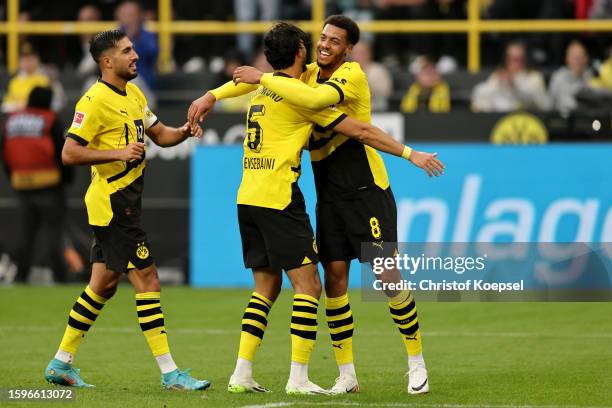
(343,225)
(280,239)
(121,246)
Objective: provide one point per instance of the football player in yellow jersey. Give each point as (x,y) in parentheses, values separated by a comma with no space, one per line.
(275,229)
(108,133)
(355,202)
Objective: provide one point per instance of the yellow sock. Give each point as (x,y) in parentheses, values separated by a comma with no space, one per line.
(404,314)
(303,327)
(340,322)
(83,314)
(151,319)
(254,323)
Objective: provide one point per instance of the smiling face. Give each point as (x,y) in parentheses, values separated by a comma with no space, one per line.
(333,47)
(122,59)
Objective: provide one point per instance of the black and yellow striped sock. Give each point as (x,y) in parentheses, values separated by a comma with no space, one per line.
(303,327)
(340,322)
(254,323)
(404,314)
(151,319)
(83,314)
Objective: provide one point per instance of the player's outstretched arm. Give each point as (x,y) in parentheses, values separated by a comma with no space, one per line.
(74,153)
(295,92)
(201,107)
(166,136)
(379,140)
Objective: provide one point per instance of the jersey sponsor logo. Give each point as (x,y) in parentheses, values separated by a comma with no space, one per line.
(79,118)
(142,251)
(259,163)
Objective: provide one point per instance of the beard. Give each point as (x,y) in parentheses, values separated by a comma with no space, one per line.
(321,65)
(127,75)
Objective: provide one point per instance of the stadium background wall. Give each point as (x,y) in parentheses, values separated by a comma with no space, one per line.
(167,194)
(553,193)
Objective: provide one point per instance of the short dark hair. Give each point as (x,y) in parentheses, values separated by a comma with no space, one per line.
(282,43)
(347,24)
(104,41)
(40,97)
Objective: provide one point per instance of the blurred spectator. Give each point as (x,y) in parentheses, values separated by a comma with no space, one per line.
(429,93)
(359,10)
(300,9)
(512,86)
(568,80)
(261,63)
(249,10)
(30,147)
(52,49)
(604,80)
(232,60)
(29,76)
(439,45)
(545,48)
(381,83)
(131,18)
(87,66)
(601,9)
(192,51)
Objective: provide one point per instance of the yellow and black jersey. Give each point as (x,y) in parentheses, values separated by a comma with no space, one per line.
(108,118)
(276,135)
(343,166)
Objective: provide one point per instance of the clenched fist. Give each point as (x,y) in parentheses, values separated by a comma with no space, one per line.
(133,151)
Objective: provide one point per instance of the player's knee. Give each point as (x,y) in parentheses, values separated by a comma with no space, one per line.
(152,284)
(109,291)
(146,280)
(104,288)
(310,285)
(336,283)
(335,287)
(315,286)
(275,290)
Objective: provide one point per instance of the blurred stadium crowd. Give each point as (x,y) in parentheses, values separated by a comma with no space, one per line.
(562,74)
(407,72)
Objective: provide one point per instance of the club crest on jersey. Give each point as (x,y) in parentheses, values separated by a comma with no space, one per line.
(142,251)
(79,117)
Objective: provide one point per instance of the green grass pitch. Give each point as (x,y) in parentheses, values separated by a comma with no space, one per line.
(478,354)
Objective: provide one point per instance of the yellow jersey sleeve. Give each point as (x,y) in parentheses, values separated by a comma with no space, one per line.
(327,118)
(87,121)
(348,80)
(298,93)
(231,90)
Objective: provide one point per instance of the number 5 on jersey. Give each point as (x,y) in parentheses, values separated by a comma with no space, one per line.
(254,130)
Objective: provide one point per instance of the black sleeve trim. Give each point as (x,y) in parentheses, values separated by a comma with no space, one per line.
(336,122)
(79,139)
(154,123)
(337,88)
